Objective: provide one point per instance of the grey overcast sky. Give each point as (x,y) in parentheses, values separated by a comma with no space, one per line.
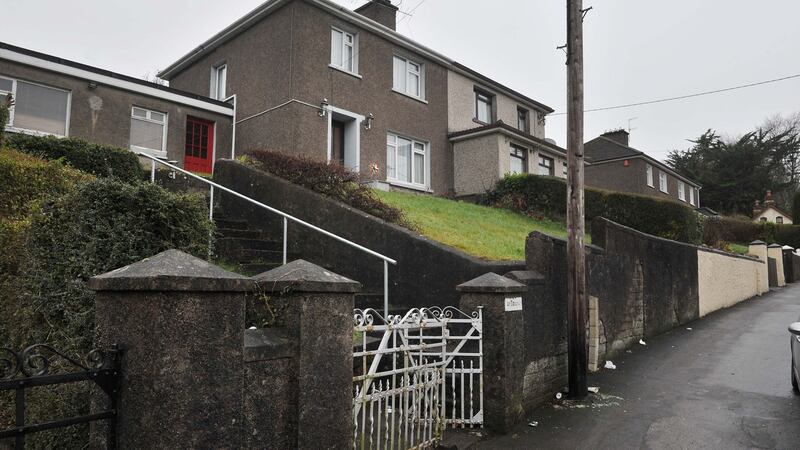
(636,50)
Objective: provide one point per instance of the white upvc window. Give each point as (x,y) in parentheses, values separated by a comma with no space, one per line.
(408,77)
(149,132)
(38,109)
(219,81)
(344,51)
(681,191)
(407,161)
(691,195)
(649,170)
(662,182)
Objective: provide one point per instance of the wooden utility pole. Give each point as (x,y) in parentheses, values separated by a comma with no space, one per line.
(576,265)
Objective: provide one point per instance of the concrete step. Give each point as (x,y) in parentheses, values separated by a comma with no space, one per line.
(236,224)
(252,269)
(239,233)
(231,246)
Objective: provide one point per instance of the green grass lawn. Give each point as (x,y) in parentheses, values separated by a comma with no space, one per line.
(741,249)
(488,233)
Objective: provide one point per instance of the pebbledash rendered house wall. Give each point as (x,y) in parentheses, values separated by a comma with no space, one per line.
(286,55)
(102,114)
(617,176)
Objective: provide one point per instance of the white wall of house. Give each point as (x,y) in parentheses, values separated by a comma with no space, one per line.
(771,214)
(461,106)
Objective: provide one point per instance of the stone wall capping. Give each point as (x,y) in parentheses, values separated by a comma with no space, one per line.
(303,276)
(758,242)
(775,246)
(526,277)
(491,283)
(171,270)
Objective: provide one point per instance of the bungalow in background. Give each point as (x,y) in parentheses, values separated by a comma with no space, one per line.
(613,165)
(57,97)
(770,212)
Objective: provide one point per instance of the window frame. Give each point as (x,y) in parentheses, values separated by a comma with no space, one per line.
(691,195)
(650,178)
(527,125)
(407,71)
(779,220)
(518,152)
(150,151)
(544,158)
(662,176)
(214,83)
(354,60)
(10,124)
(426,161)
(478,92)
(681,191)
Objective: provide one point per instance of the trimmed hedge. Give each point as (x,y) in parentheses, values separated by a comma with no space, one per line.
(4,113)
(532,194)
(25,179)
(96,159)
(788,235)
(721,229)
(331,180)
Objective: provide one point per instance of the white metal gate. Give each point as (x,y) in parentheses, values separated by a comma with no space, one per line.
(414,375)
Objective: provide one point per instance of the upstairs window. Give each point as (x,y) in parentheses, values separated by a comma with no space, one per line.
(650,176)
(408,77)
(662,182)
(518,159)
(681,191)
(545,165)
(565,169)
(522,120)
(483,106)
(149,132)
(219,80)
(343,50)
(691,195)
(406,160)
(38,109)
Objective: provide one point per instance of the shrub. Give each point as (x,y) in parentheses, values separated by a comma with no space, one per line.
(331,180)
(4,112)
(788,235)
(103,225)
(796,206)
(25,179)
(548,195)
(96,159)
(720,229)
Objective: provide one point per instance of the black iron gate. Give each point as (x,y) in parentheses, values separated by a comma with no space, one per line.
(32,367)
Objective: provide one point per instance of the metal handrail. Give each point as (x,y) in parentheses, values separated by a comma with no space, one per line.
(286,219)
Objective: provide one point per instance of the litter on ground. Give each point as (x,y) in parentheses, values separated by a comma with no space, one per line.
(610,365)
(533,424)
(689,328)
(593,389)
(641,342)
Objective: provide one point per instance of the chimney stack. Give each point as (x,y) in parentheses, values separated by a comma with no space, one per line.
(768,200)
(619,136)
(757,208)
(381,11)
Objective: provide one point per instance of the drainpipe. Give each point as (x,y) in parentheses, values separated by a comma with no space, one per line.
(233,129)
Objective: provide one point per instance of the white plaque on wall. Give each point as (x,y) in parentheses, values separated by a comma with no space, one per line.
(514,304)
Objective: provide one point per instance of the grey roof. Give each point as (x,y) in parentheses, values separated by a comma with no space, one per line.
(500,125)
(269,6)
(602,148)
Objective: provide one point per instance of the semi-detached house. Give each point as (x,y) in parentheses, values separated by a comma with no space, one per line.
(313,78)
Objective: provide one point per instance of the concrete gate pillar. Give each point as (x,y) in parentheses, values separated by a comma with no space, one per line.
(320,322)
(180,324)
(759,250)
(775,251)
(503,346)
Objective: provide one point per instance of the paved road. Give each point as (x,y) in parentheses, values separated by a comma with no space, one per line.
(723,384)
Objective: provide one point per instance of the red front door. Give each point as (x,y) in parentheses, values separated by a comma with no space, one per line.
(199,153)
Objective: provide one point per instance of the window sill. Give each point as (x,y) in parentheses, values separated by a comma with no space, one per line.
(651,187)
(410,96)
(352,74)
(415,187)
(32,132)
(160,154)
(474,119)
